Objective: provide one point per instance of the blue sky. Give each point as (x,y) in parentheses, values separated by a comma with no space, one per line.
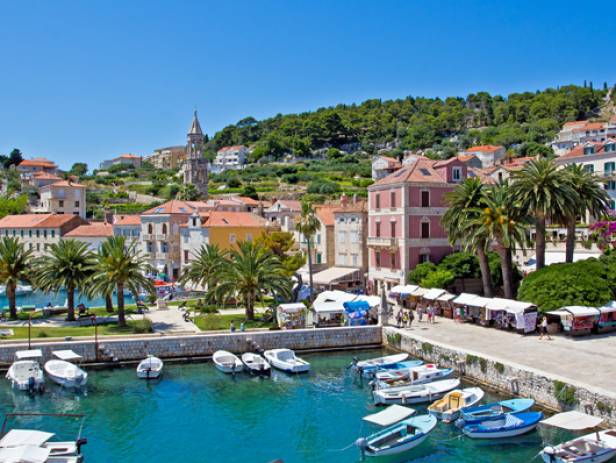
(88,80)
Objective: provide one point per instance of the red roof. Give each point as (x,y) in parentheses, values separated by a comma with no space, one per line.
(579,150)
(37,162)
(248,201)
(590,126)
(36,220)
(45,176)
(391,162)
(129,156)
(573,124)
(94,229)
(325,213)
(484,148)
(420,171)
(65,183)
(175,206)
(230,148)
(127,220)
(231,219)
(291,204)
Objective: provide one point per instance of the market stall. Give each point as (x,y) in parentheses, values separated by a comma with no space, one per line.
(291,316)
(477,310)
(328,309)
(461,305)
(430,296)
(607,319)
(357,313)
(445,305)
(511,314)
(577,320)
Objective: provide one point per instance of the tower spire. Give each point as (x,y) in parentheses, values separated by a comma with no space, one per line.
(195,128)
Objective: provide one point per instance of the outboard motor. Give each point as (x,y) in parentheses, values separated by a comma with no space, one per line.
(31,385)
(81,441)
(550,451)
(362,445)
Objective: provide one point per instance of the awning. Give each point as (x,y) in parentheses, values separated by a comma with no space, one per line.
(328,307)
(573,421)
(24,454)
(581,311)
(28,354)
(419,292)
(390,415)
(508,305)
(478,302)
(465,298)
(19,437)
(609,307)
(292,307)
(409,289)
(446,297)
(433,294)
(67,355)
(397,289)
(334,275)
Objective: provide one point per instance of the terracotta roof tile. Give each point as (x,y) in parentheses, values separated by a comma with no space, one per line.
(421,171)
(94,229)
(65,183)
(233,219)
(578,151)
(36,220)
(176,206)
(42,175)
(483,148)
(127,220)
(37,162)
(230,148)
(325,213)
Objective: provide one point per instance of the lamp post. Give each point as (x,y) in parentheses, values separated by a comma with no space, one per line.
(93,318)
(30,331)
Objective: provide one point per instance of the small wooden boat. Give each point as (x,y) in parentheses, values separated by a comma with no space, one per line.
(255,364)
(448,408)
(61,371)
(401,437)
(397,370)
(26,373)
(597,447)
(415,393)
(367,367)
(421,374)
(150,368)
(227,362)
(508,425)
(286,360)
(470,415)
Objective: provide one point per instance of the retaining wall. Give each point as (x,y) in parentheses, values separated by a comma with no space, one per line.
(136,348)
(550,391)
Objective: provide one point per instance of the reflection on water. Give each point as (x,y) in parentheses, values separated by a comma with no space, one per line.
(194,413)
(40,299)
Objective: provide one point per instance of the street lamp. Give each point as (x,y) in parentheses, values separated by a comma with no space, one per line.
(30,331)
(93,318)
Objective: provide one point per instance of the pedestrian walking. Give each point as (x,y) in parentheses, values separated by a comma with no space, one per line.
(419,313)
(543,329)
(430,314)
(242,327)
(411,318)
(405,318)
(232,327)
(399,319)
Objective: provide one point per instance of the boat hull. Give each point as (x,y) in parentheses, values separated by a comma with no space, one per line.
(150,369)
(295,365)
(404,447)
(402,400)
(600,457)
(227,362)
(75,381)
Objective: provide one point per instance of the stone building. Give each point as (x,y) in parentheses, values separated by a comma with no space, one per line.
(194,169)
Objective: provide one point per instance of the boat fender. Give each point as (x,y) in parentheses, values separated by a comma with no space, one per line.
(362,445)
(31,385)
(460,423)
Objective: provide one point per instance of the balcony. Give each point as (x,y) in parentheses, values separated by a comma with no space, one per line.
(148,237)
(382,242)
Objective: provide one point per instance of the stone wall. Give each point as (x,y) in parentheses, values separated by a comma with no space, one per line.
(550,391)
(136,348)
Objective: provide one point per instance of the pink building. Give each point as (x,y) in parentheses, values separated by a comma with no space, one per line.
(404,217)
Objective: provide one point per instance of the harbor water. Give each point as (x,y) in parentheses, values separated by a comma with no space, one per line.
(194,413)
(40,300)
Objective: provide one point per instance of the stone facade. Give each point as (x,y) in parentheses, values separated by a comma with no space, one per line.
(549,391)
(131,349)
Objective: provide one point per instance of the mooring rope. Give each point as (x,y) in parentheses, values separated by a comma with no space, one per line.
(447,440)
(342,449)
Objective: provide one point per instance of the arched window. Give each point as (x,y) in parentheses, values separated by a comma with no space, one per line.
(150,230)
(164,229)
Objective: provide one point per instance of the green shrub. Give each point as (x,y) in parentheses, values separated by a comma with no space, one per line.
(564,394)
(42,334)
(483,364)
(471,359)
(420,272)
(427,347)
(461,264)
(394,339)
(438,279)
(143,326)
(499,367)
(604,408)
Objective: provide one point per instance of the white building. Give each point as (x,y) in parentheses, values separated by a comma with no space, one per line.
(230,157)
(62,197)
(579,132)
(489,155)
(382,166)
(598,158)
(128,226)
(128,159)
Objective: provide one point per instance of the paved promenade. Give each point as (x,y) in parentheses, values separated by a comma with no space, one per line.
(589,360)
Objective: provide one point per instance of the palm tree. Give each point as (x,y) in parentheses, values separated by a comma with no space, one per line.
(251,271)
(204,270)
(591,197)
(118,265)
(67,265)
(501,220)
(543,190)
(464,203)
(15,266)
(308,225)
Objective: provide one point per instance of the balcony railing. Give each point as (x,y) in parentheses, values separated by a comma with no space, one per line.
(381,241)
(149,237)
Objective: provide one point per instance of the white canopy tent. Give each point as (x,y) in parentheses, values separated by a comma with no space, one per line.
(335,275)
(478,301)
(292,307)
(333,301)
(581,311)
(67,355)
(433,294)
(573,421)
(446,297)
(390,415)
(608,308)
(28,354)
(465,299)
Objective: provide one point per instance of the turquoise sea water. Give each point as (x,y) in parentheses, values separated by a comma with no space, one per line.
(197,414)
(40,299)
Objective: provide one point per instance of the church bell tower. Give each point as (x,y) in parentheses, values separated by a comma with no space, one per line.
(195,165)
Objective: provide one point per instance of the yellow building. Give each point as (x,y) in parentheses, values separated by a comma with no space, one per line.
(222,228)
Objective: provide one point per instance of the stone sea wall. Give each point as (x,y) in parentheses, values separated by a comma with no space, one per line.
(549,391)
(129,349)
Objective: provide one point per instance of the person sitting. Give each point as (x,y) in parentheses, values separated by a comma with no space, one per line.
(82,309)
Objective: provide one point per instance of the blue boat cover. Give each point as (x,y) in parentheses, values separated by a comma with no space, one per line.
(354,306)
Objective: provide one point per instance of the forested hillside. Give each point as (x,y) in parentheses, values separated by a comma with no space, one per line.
(525,120)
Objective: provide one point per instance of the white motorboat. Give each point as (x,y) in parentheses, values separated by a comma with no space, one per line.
(420,374)
(597,447)
(61,371)
(150,368)
(255,364)
(448,408)
(286,360)
(415,393)
(369,366)
(227,362)
(26,373)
